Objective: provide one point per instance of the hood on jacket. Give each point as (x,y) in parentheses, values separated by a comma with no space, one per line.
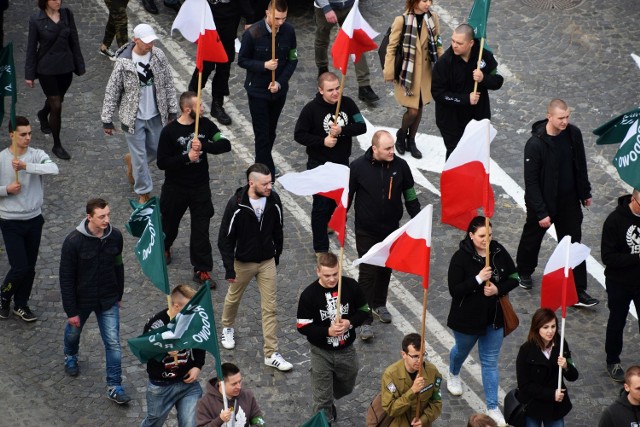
(623,206)
(125,50)
(466,245)
(320,100)
(83,229)
(539,128)
(213,390)
(369,156)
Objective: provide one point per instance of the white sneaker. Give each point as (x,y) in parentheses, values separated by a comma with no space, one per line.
(277,361)
(454,384)
(497,416)
(227,340)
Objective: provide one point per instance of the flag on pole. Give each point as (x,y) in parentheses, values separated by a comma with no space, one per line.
(464,183)
(193,327)
(558,286)
(329,180)
(354,38)
(408,249)
(478,17)
(318,420)
(8,83)
(195,22)
(145,224)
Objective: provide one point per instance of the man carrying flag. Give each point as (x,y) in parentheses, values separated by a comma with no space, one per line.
(378,172)
(183,157)
(173,380)
(92,280)
(327,141)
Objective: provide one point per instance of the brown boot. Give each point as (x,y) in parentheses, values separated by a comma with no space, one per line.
(144,198)
(127,161)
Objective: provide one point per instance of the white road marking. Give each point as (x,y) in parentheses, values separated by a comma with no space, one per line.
(636,58)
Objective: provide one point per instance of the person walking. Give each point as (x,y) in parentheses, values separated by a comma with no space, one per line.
(537,366)
(53,56)
(117,27)
(476,315)
(417,30)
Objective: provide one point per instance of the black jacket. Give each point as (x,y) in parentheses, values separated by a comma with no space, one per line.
(620,413)
(620,248)
(255,50)
(243,238)
(538,380)
(541,170)
(378,188)
(471,311)
(452,83)
(52,48)
(91,270)
(314,125)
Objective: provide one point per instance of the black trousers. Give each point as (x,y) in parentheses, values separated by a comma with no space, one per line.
(568,222)
(321,211)
(373,280)
(619,297)
(264,118)
(174,201)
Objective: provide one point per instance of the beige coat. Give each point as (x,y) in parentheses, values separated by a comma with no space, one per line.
(423,65)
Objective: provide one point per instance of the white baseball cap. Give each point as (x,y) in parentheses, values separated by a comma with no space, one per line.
(145,33)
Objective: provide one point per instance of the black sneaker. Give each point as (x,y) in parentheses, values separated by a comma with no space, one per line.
(44,122)
(175,6)
(322,70)
(71,366)
(167,256)
(585,300)
(525,282)
(150,6)
(366,94)
(616,372)
(5,309)
(218,113)
(118,395)
(25,313)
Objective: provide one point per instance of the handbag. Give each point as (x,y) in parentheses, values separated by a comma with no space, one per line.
(514,410)
(382,53)
(509,315)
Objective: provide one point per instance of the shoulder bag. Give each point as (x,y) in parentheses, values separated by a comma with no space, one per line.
(509,315)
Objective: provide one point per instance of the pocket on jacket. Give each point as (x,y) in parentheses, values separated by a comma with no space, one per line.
(262,53)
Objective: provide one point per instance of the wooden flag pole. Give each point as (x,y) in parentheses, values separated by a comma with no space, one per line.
(338,310)
(198,100)
(475,84)
(335,120)
(273,38)
(422,345)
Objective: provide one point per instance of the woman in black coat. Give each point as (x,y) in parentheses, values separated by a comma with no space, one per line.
(537,368)
(53,55)
(476,315)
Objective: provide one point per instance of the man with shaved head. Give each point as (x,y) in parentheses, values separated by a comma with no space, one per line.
(556,184)
(454,77)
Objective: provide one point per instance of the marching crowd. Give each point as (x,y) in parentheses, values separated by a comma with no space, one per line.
(160,127)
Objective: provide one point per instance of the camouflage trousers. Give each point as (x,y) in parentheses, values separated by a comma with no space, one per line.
(117,23)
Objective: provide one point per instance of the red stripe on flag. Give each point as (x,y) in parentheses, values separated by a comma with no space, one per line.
(551,290)
(464,189)
(210,49)
(338,221)
(411,256)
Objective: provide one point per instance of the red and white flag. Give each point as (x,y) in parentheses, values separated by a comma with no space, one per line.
(408,249)
(464,183)
(195,22)
(558,286)
(329,180)
(354,38)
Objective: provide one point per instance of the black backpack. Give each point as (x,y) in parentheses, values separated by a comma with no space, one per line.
(382,53)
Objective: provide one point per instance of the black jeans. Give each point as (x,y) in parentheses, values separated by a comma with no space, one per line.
(568,222)
(22,242)
(264,117)
(373,280)
(174,202)
(619,296)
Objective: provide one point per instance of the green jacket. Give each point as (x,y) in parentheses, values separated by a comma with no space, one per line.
(399,401)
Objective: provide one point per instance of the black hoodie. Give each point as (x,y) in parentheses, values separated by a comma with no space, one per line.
(621,413)
(620,248)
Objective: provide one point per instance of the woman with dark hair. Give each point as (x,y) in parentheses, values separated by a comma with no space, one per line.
(537,366)
(476,315)
(418,31)
(53,54)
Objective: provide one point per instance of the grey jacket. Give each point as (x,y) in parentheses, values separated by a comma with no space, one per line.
(123,89)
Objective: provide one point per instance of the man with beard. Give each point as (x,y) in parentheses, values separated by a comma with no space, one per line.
(183,157)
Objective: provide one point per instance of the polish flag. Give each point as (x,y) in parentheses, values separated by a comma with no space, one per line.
(354,38)
(464,183)
(195,22)
(329,180)
(408,249)
(558,287)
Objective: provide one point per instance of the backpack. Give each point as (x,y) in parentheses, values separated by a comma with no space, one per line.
(376,416)
(382,53)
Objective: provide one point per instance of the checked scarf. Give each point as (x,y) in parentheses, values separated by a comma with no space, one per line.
(409,44)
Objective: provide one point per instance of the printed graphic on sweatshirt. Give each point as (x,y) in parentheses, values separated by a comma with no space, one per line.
(145,75)
(173,362)
(330,313)
(633,239)
(343,120)
(185,143)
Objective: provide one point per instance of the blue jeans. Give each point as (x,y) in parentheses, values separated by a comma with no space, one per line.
(109,324)
(489,350)
(143,146)
(160,400)
(530,422)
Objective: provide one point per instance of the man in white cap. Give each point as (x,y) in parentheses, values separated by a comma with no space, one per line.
(141,86)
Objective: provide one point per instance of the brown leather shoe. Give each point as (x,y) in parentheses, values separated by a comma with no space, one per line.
(127,161)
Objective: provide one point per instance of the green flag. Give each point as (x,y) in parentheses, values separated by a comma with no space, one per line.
(145,224)
(617,129)
(193,327)
(627,159)
(8,83)
(478,17)
(318,420)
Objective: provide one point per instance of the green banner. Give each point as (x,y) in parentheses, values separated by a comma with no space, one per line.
(617,130)
(145,224)
(8,83)
(478,17)
(318,420)
(193,327)
(627,159)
